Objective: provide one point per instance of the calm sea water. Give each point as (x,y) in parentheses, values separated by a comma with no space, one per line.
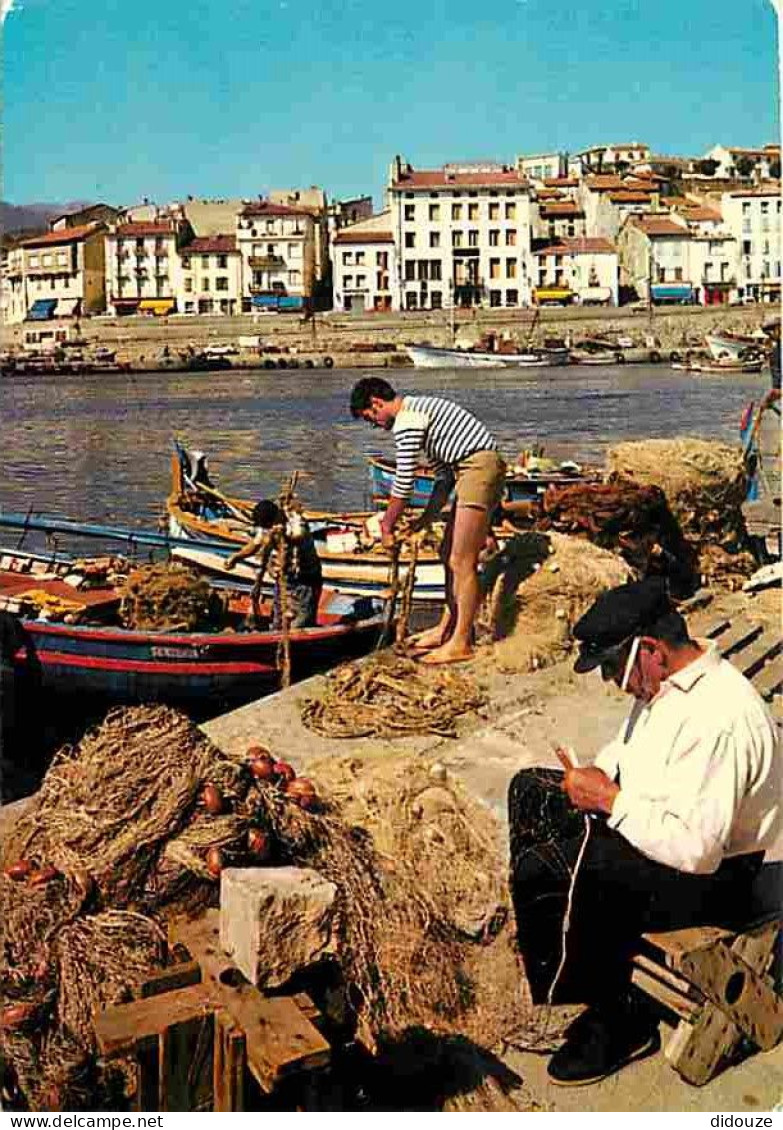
(97,448)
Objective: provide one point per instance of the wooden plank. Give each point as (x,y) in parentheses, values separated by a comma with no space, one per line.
(119,1028)
(739,635)
(175,977)
(770,678)
(279,1039)
(743,995)
(664,994)
(675,944)
(749,659)
(714,628)
(185,1084)
(228,1083)
(664,974)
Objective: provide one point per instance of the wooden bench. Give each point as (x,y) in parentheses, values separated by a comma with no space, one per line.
(754,649)
(198,1027)
(718,985)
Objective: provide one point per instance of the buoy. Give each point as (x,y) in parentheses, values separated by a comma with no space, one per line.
(309,363)
(269,363)
(675,356)
(328,363)
(282,363)
(654,355)
(619,358)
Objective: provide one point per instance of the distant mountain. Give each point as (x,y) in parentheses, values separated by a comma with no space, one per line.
(31,217)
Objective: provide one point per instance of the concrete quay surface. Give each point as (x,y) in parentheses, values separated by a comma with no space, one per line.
(524,716)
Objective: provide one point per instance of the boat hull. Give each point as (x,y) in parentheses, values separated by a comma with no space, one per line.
(430,357)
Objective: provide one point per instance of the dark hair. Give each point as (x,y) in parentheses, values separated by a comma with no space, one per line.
(266,514)
(670,628)
(365,389)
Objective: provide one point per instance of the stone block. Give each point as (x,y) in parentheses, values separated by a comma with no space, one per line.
(275,921)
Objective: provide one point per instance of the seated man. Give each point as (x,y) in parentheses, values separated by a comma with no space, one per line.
(276,534)
(667,829)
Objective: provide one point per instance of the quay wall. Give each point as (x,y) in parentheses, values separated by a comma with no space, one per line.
(141,340)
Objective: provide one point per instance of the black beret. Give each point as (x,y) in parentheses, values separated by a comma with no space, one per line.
(618,615)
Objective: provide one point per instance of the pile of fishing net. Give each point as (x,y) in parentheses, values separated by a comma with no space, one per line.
(705,483)
(630,520)
(133,825)
(539,586)
(390,696)
(169,596)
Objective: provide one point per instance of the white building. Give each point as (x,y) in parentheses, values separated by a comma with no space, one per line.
(142,265)
(277,248)
(713,253)
(365,266)
(582,270)
(59,274)
(601,158)
(753,218)
(734,162)
(655,258)
(210,276)
(541,166)
(462,235)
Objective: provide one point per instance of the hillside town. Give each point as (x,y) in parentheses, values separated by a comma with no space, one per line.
(606,226)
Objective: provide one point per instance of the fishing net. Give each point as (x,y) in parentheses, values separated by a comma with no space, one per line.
(539,587)
(169,596)
(705,483)
(390,696)
(121,836)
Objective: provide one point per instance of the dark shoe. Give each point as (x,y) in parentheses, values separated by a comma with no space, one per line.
(600,1042)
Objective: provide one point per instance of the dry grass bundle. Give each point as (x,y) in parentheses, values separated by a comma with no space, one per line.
(704,481)
(169,596)
(387,697)
(546,583)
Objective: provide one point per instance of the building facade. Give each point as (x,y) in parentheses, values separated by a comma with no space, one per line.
(753,218)
(142,265)
(365,266)
(209,279)
(277,250)
(581,270)
(602,158)
(655,259)
(60,274)
(540,167)
(462,235)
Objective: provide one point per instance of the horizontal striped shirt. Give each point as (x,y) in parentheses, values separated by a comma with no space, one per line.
(446,432)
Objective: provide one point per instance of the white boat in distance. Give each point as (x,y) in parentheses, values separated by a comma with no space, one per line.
(432,357)
(735,347)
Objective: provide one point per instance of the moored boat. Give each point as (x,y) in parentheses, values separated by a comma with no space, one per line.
(725,346)
(432,357)
(71,641)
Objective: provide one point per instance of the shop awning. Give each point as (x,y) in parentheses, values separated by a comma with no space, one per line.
(156,306)
(553,293)
(41,310)
(67,307)
(680,293)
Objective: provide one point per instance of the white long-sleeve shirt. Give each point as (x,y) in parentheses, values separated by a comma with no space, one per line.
(700,769)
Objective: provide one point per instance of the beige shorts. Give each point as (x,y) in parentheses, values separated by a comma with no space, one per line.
(481,479)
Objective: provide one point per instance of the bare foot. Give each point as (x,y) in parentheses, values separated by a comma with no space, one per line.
(448,653)
(426,641)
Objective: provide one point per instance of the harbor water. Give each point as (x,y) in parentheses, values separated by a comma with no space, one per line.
(98,448)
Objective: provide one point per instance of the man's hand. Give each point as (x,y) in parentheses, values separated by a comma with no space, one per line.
(589,789)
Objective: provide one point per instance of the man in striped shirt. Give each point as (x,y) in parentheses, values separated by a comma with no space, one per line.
(465,458)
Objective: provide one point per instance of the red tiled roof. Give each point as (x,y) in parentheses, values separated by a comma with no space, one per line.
(701,212)
(580,245)
(347,236)
(757,192)
(562,208)
(140,228)
(765,152)
(659,225)
(440,178)
(66,235)
(629,196)
(217,244)
(548,194)
(602,182)
(264,208)
(561,182)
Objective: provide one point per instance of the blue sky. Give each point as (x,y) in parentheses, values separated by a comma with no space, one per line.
(116,100)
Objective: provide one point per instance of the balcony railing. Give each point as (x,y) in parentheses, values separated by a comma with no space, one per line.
(267,263)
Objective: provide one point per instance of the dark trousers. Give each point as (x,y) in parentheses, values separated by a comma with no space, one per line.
(618,895)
